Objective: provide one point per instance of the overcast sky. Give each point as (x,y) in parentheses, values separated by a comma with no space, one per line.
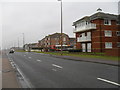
(39,19)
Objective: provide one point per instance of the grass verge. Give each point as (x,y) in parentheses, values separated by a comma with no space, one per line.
(84,55)
(20,51)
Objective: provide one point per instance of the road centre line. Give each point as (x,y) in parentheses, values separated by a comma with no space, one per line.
(114,83)
(57,66)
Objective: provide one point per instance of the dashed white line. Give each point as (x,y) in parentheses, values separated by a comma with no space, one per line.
(54,69)
(57,66)
(29,57)
(39,60)
(114,83)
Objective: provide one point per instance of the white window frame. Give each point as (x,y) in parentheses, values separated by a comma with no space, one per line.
(108,33)
(108,45)
(64,38)
(118,33)
(107,22)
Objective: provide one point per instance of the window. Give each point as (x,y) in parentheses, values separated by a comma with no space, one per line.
(64,43)
(64,39)
(118,33)
(118,23)
(49,38)
(56,39)
(118,44)
(87,22)
(108,33)
(85,33)
(88,33)
(57,43)
(108,44)
(107,22)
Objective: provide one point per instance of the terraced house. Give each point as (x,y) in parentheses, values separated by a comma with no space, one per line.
(98,33)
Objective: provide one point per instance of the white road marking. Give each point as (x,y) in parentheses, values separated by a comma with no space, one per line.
(24,55)
(57,66)
(114,83)
(39,60)
(54,69)
(29,57)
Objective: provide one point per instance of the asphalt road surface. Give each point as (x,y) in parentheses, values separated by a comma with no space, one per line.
(45,71)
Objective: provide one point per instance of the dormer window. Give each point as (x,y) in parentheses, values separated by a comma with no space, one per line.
(107,22)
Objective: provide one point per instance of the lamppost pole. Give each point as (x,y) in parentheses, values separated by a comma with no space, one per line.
(23,39)
(61,26)
(18,42)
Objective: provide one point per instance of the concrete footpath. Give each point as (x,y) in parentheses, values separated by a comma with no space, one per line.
(9,79)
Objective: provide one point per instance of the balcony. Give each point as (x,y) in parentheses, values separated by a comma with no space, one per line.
(83,39)
(85,28)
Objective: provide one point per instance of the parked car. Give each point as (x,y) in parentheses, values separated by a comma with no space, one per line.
(12,51)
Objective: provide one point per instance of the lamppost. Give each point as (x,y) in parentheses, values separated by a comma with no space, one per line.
(18,42)
(61,26)
(23,40)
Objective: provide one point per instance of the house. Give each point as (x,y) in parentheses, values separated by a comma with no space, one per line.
(98,33)
(32,47)
(26,47)
(54,41)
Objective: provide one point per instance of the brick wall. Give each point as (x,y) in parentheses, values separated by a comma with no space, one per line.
(98,38)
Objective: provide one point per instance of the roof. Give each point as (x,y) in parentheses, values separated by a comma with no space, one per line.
(56,35)
(98,15)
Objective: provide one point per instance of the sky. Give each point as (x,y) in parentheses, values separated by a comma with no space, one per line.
(39,18)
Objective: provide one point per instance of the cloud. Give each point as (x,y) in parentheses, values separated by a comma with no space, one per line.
(38,19)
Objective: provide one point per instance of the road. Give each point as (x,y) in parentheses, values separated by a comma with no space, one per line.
(45,71)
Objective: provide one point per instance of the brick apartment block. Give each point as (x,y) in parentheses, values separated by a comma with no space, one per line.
(98,33)
(55,40)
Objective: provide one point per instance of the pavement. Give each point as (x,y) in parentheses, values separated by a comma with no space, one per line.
(9,78)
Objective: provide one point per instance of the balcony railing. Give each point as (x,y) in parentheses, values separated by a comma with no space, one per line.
(85,28)
(83,39)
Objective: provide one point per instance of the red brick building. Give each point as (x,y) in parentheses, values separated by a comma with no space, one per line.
(54,40)
(98,33)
